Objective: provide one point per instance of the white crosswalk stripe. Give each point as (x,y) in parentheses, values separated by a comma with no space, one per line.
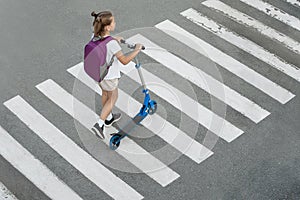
(5,194)
(31,168)
(274,12)
(260,82)
(294,2)
(260,27)
(134,153)
(232,98)
(184,143)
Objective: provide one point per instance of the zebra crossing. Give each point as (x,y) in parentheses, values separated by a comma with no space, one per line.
(180,141)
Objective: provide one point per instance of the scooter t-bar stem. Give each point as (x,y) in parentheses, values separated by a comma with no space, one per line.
(132,46)
(142,78)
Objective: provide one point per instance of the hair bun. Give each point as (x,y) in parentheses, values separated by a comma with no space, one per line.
(93,14)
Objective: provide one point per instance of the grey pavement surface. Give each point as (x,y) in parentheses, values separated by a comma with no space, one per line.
(42,39)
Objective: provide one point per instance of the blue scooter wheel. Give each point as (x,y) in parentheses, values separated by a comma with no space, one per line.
(115,141)
(152,107)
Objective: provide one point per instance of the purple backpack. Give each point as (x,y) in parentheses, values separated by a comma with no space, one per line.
(95,64)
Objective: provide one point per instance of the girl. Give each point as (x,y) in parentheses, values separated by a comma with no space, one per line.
(104,23)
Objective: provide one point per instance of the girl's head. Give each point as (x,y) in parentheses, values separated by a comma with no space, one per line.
(104,23)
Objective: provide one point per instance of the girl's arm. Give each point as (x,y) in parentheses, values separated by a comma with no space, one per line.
(125,59)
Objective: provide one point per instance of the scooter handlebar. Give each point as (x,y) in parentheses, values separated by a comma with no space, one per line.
(130,46)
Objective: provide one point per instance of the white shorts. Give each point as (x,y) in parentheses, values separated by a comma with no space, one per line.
(109,85)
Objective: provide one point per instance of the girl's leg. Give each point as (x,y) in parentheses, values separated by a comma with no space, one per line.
(104,97)
(112,97)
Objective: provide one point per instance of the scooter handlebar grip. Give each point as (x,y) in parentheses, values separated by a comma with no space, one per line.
(131,46)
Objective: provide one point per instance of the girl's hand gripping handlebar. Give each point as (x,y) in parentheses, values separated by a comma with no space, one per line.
(133,46)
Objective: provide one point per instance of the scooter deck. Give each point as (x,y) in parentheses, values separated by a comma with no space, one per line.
(130,126)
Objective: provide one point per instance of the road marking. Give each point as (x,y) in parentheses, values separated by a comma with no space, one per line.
(294,2)
(81,160)
(172,135)
(230,97)
(260,27)
(274,12)
(5,194)
(242,43)
(131,151)
(260,82)
(32,168)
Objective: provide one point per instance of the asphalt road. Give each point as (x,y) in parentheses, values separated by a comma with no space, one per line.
(40,40)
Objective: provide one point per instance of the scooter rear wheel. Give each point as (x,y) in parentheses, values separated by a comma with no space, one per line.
(115,141)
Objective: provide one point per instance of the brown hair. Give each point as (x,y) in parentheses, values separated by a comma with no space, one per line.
(101,20)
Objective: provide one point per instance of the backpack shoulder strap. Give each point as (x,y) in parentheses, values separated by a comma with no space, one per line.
(102,40)
(106,40)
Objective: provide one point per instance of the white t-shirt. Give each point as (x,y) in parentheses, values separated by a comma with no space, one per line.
(114,71)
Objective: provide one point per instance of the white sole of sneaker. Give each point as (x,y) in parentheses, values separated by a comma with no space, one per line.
(111,123)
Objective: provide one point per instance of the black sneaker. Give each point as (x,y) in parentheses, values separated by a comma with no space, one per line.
(116,117)
(98,131)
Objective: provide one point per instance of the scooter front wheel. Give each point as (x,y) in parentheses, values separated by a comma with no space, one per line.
(115,141)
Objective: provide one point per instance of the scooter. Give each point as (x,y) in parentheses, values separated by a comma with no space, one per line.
(149,107)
